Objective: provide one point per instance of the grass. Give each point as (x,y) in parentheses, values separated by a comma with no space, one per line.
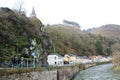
(11,71)
(116,60)
(117,68)
(100,63)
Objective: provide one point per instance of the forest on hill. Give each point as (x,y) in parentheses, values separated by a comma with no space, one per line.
(17,32)
(111,31)
(108,30)
(70,40)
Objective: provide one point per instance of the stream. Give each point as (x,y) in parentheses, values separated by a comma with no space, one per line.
(100,72)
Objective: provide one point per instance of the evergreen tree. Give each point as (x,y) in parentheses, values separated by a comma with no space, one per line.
(99,49)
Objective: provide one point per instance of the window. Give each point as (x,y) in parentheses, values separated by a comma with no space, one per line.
(55,62)
(55,57)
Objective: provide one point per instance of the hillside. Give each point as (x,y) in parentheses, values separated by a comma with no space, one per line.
(69,40)
(16,33)
(109,30)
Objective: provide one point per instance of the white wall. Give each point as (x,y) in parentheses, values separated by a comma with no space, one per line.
(54,60)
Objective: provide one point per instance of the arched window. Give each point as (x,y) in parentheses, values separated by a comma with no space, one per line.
(55,62)
(55,57)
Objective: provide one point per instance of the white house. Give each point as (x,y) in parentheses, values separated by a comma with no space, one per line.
(100,58)
(55,59)
(84,60)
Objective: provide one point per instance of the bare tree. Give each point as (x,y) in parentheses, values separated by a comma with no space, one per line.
(19,6)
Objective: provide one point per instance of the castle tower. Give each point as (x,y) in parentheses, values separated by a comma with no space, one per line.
(33,14)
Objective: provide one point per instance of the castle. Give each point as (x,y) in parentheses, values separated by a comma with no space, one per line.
(72,24)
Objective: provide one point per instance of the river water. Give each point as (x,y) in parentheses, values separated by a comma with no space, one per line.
(101,72)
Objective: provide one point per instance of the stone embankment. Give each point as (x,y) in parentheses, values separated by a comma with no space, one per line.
(54,73)
(89,65)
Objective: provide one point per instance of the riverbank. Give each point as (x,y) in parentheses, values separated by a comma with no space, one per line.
(44,73)
(116,67)
(40,73)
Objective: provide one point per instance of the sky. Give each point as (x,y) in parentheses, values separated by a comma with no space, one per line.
(88,13)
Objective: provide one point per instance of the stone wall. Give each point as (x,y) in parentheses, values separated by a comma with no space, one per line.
(44,75)
(67,73)
(61,73)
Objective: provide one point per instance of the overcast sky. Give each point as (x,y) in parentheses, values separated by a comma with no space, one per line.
(88,13)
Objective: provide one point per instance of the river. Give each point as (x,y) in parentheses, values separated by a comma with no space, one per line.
(101,72)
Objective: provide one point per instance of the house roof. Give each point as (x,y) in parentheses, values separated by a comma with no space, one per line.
(57,55)
(72,55)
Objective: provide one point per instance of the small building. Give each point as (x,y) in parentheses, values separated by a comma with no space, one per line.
(100,58)
(71,58)
(55,59)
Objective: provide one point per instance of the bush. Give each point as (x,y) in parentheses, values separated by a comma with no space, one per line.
(116,60)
